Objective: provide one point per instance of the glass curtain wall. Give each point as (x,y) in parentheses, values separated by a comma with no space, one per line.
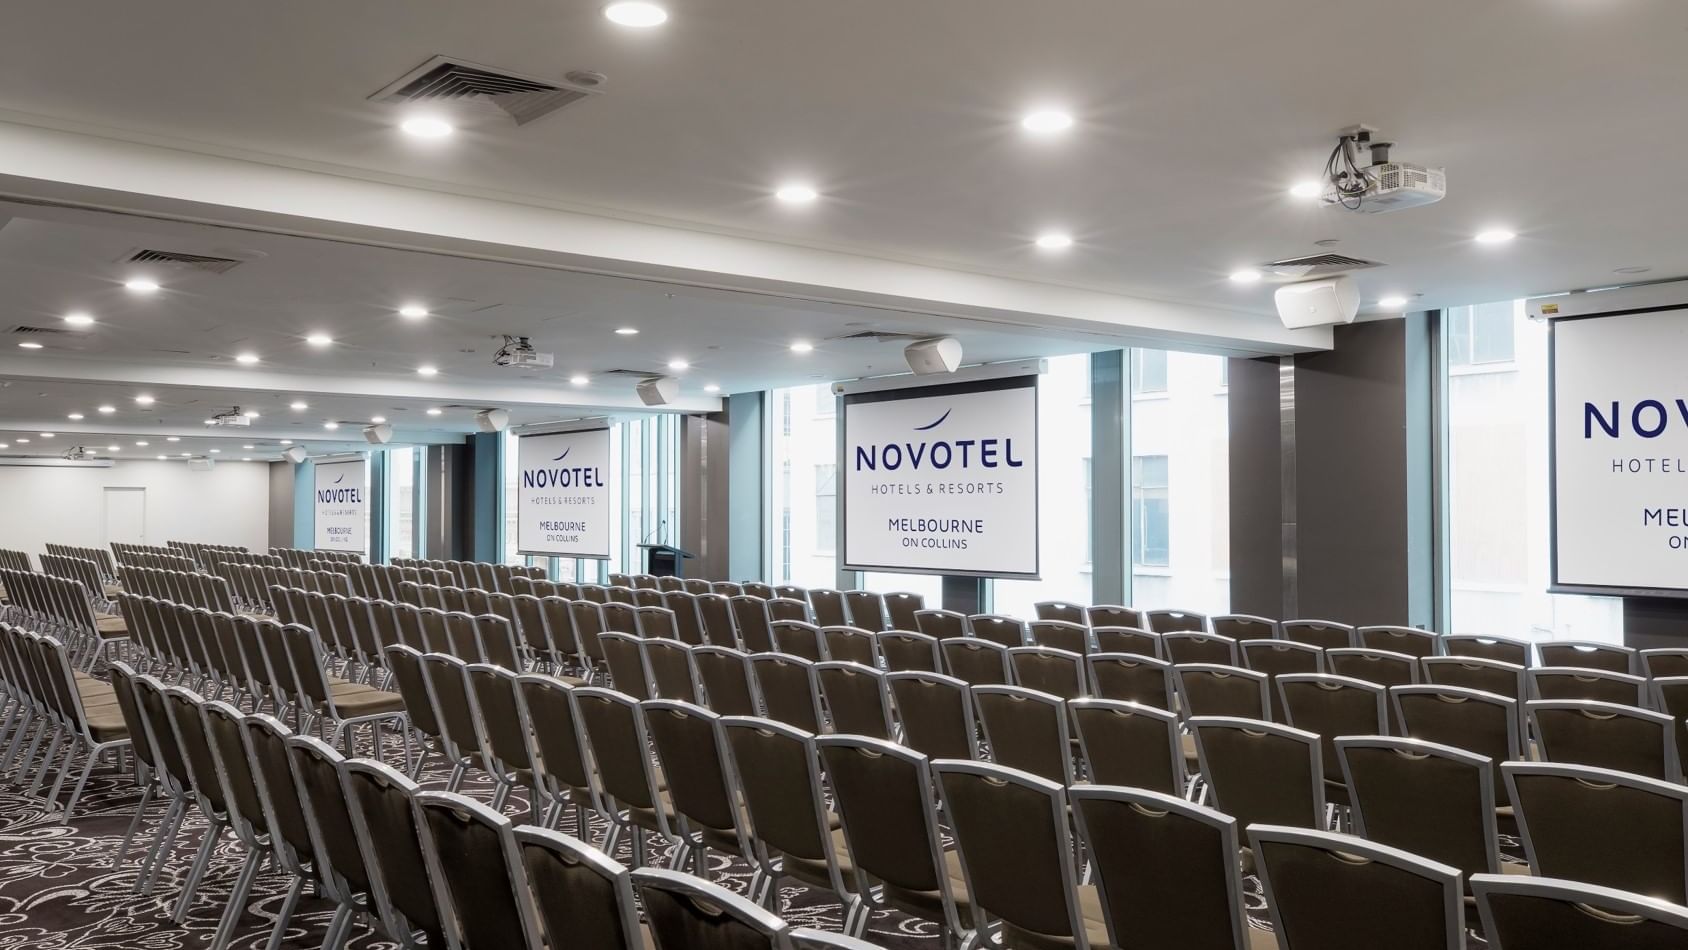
(1496,478)
(404,470)
(803,486)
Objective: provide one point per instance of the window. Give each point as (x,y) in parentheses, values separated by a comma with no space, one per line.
(1481,334)
(1063,497)
(1148,372)
(403,501)
(1180,486)
(1150,524)
(802,461)
(1496,483)
(826,507)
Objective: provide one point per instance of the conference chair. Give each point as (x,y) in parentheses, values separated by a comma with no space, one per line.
(1007,631)
(1240,627)
(505,753)
(447,680)
(1509,680)
(688,913)
(787,609)
(979,661)
(1565,682)
(1261,772)
(580,897)
(625,657)
(750,614)
(855,699)
(1527,913)
(656,622)
(695,585)
(941,624)
(866,609)
(1128,677)
(1382,667)
(791,592)
(727,589)
(588,621)
(1607,736)
(1390,899)
(884,795)
(1483,647)
(795,638)
(381,803)
(1211,689)
(777,770)
(759,589)
(902,609)
(1482,723)
(1585,655)
(1026,730)
(786,685)
(339,866)
(629,791)
(1060,635)
(1277,658)
(1166,870)
(1011,834)
(266,738)
(175,779)
(244,811)
(692,751)
(1128,744)
(1670,696)
(719,628)
(1128,640)
(1409,640)
(563,775)
(850,643)
(1324,634)
(828,608)
(725,679)
(1175,621)
(1664,662)
(1062,611)
(905,650)
(1185,647)
(473,863)
(688,618)
(1431,800)
(1114,615)
(184,724)
(668,665)
(1332,706)
(1057,672)
(936,714)
(1602,827)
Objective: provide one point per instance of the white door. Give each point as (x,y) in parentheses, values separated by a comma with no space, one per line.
(126,515)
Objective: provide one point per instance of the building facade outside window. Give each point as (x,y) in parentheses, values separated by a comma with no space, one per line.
(803,486)
(403,501)
(1497,557)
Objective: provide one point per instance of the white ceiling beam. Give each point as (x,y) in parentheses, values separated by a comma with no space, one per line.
(107,168)
(71,432)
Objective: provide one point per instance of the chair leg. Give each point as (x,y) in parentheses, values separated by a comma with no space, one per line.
(47,762)
(64,773)
(161,846)
(134,823)
(237,903)
(197,872)
(285,916)
(338,928)
(81,783)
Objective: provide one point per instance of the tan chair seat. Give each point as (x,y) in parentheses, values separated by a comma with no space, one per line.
(1261,939)
(930,904)
(106,724)
(1189,745)
(111,625)
(112,590)
(356,699)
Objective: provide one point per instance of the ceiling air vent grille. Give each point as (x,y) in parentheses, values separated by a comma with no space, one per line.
(1318,265)
(522,98)
(886,336)
(21,328)
(177,259)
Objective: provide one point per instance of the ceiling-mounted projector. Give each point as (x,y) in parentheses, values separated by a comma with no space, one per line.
(233,417)
(492,420)
(928,357)
(204,464)
(658,390)
(295,454)
(1378,184)
(1317,303)
(378,434)
(518,352)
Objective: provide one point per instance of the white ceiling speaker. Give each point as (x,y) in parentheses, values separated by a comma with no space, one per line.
(929,357)
(1318,303)
(201,464)
(492,420)
(378,435)
(295,454)
(658,390)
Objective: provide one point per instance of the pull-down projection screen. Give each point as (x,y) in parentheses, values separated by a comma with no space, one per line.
(1620,453)
(943,479)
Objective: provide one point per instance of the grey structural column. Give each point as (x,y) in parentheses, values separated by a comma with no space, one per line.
(746,503)
(447,502)
(707,476)
(1110,454)
(1331,464)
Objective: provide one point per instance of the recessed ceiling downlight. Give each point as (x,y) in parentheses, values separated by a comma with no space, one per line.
(1054,241)
(1495,236)
(1047,122)
(796,194)
(141,285)
(427,127)
(638,14)
(1392,303)
(1246,275)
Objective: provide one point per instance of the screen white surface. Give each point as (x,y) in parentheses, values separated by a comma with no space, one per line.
(562,494)
(341,503)
(1620,451)
(942,482)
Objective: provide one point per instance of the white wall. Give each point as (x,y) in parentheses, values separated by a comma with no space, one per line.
(227,505)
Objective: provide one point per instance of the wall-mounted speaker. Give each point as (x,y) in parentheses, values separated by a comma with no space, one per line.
(295,454)
(379,435)
(929,357)
(1318,303)
(658,390)
(492,420)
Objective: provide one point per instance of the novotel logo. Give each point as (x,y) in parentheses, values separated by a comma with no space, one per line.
(1648,418)
(563,476)
(937,453)
(339,496)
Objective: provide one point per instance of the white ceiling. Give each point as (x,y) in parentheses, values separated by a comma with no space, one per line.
(1193,119)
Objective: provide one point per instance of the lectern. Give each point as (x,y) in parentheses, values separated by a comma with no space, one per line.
(665,560)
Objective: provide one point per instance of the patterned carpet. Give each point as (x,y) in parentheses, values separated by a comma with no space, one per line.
(59,889)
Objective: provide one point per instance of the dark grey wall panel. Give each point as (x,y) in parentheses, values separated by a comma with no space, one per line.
(1255,488)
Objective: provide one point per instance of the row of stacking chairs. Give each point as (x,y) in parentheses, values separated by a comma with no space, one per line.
(64,609)
(383,580)
(48,700)
(100,556)
(260,663)
(298,558)
(202,552)
(252,583)
(409,861)
(214,558)
(184,587)
(15,560)
(493,577)
(162,560)
(81,570)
